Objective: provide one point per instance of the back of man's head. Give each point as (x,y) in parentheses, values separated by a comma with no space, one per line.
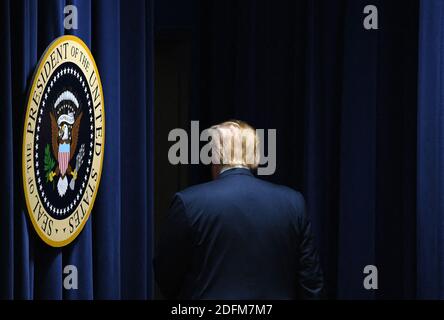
(234,144)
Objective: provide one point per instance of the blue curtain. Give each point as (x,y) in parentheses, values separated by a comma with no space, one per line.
(431,151)
(113,252)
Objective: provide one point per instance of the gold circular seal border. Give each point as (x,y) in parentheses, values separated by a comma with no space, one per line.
(37,71)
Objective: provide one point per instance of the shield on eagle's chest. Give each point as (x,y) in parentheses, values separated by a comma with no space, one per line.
(63,159)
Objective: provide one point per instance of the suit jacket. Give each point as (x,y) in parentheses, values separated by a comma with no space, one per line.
(237,237)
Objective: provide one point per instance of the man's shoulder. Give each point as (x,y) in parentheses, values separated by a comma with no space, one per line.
(283,189)
(197,193)
(195,189)
(285,193)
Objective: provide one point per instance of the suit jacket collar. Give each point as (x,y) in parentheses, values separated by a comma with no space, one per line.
(235,171)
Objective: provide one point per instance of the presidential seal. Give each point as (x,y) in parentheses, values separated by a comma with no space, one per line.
(63,141)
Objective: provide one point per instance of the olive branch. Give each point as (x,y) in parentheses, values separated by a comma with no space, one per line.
(49,163)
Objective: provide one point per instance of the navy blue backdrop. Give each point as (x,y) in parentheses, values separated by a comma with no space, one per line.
(431,151)
(113,252)
(358,113)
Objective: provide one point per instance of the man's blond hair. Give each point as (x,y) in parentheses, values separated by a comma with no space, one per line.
(235,143)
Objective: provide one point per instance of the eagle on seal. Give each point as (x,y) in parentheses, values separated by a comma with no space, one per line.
(65,125)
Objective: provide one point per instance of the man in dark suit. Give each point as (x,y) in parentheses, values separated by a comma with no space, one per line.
(237,237)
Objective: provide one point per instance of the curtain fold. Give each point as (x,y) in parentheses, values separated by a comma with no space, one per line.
(430,207)
(107,212)
(135,262)
(6,163)
(357,213)
(113,250)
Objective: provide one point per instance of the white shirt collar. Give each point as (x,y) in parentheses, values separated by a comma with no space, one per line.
(226,168)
